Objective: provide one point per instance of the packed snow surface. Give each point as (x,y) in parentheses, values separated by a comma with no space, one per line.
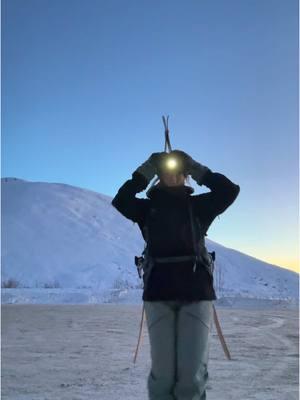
(84,352)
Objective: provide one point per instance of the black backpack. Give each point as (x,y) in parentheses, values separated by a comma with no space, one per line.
(201,257)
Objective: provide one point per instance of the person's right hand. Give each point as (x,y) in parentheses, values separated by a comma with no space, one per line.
(156,159)
(151,166)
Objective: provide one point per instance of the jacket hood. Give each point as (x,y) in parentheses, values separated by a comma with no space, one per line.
(161,190)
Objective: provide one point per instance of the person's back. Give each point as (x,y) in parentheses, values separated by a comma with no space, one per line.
(178,288)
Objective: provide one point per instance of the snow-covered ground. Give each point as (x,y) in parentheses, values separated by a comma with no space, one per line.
(84,352)
(126,296)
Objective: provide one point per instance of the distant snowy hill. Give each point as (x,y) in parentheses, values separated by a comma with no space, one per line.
(58,235)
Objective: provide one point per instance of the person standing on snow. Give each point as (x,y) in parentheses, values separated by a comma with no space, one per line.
(178,291)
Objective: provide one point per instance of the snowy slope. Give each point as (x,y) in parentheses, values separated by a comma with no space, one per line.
(240,274)
(53,232)
(59,235)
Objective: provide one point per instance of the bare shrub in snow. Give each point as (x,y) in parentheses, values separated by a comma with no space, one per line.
(53,284)
(84,287)
(10,283)
(121,284)
(118,284)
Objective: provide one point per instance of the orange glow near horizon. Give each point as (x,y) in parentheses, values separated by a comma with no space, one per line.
(291,264)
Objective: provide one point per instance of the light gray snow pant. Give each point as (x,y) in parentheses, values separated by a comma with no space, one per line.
(179,342)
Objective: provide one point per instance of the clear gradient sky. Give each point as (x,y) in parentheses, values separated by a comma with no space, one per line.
(85,83)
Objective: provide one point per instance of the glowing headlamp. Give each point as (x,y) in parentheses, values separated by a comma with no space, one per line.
(171,164)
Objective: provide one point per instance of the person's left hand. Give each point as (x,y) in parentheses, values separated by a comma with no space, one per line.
(185,159)
(192,167)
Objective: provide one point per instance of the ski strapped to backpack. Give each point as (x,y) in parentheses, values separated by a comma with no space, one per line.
(168,147)
(167,137)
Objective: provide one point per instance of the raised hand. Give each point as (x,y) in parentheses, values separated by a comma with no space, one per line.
(191,167)
(151,166)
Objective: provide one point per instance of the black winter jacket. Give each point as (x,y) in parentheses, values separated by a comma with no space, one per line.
(167,207)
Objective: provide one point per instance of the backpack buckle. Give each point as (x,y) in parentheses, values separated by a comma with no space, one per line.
(139,264)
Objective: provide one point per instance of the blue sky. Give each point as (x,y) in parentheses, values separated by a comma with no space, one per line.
(85,83)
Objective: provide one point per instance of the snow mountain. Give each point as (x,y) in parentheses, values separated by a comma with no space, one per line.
(58,235)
